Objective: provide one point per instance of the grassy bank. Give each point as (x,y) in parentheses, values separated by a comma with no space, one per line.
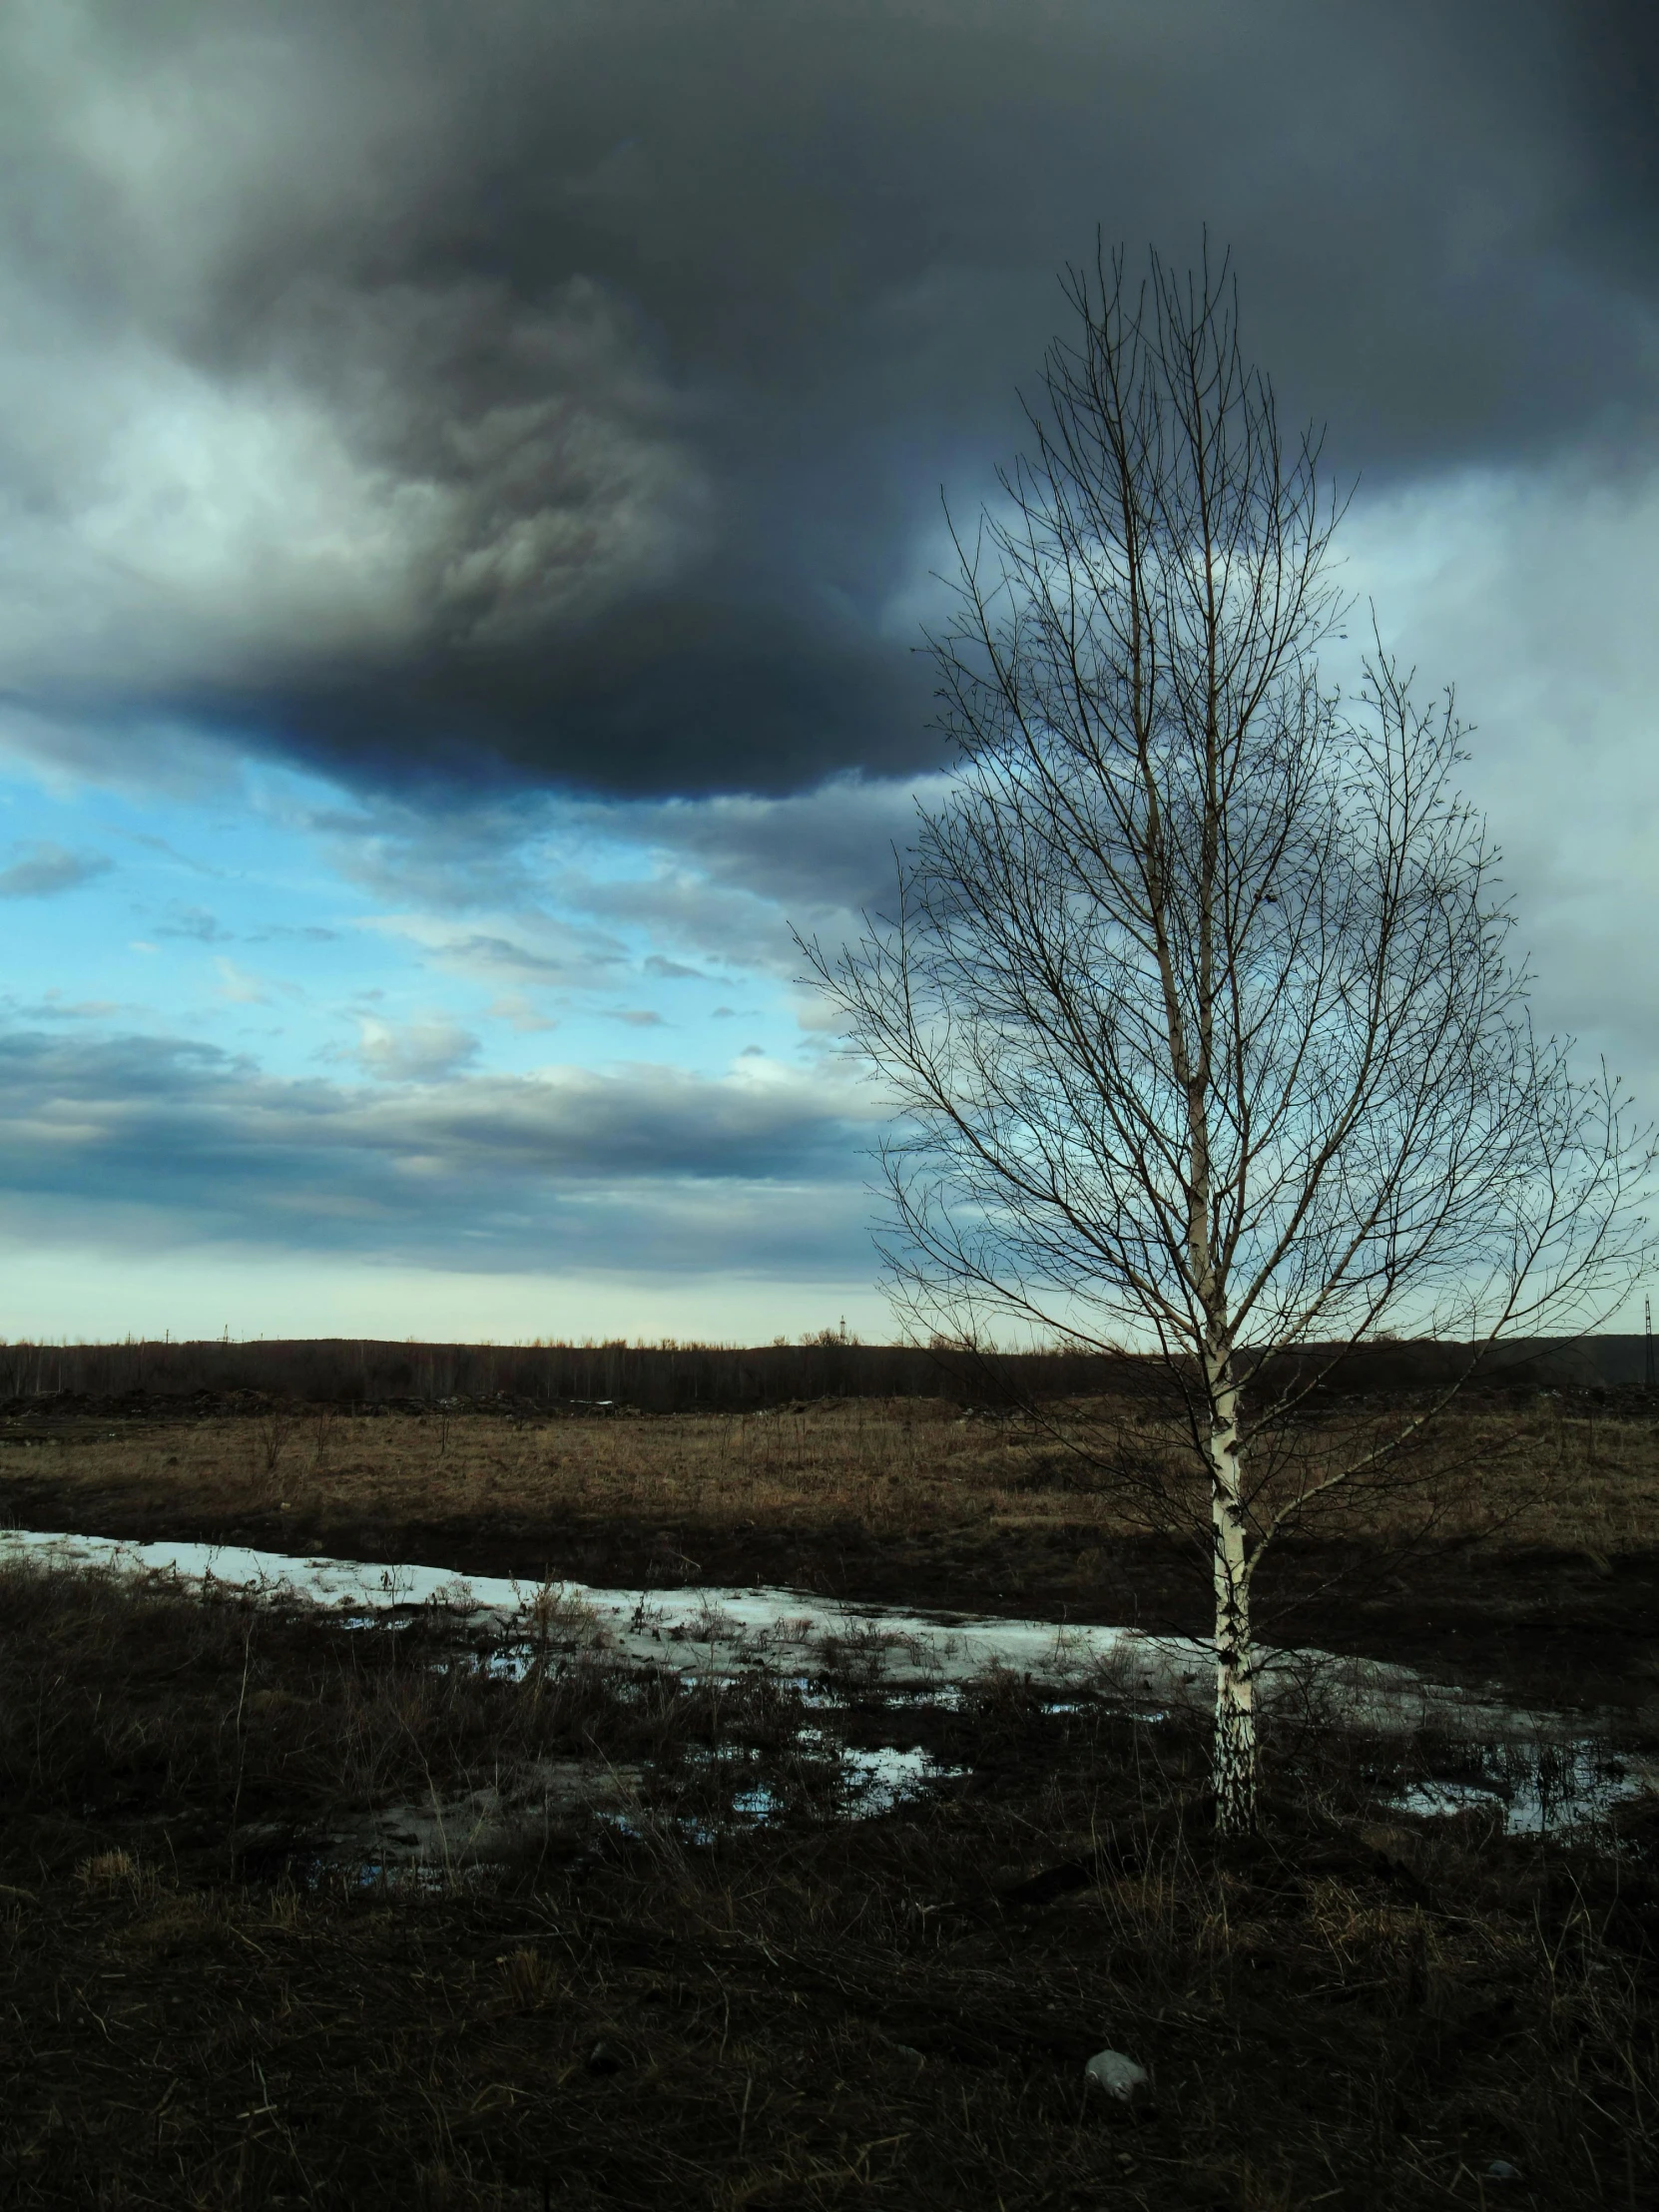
(689,2006)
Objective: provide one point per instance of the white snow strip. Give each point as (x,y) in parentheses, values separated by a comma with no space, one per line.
(731,1623)
(722,1629)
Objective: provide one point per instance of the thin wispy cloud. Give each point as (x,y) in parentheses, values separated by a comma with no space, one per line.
(45,871)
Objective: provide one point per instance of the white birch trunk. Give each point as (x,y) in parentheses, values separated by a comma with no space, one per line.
(1233,1766)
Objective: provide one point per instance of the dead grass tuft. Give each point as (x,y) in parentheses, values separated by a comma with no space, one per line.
(531,1978)
(105,1871)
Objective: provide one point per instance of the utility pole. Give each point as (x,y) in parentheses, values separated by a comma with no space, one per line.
(1647,1343)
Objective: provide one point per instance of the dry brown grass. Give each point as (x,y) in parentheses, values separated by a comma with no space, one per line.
(1552,1474)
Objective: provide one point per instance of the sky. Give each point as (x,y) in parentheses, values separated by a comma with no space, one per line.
(471,487)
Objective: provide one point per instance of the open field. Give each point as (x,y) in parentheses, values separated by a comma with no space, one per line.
(1543,1568)
(709,1972)
(683,2005)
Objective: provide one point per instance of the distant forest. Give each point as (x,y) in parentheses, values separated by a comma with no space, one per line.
(677,1379)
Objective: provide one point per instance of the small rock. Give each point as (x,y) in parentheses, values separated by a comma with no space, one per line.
(1501,2170)
(1124,2081)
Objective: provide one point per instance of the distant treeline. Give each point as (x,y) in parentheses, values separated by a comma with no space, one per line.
(345,1370)
(341,1369)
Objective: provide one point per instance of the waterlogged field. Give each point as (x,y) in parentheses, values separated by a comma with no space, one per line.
(434,1905)
(362,1912)
(1542,1566)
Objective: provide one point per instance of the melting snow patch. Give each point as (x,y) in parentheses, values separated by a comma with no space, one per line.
(706,1634)
(882,1779)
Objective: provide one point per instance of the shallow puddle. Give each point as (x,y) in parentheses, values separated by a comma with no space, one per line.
(1534,1788)
(435,1844)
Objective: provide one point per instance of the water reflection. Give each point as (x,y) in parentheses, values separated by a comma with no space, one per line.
(1531,1789)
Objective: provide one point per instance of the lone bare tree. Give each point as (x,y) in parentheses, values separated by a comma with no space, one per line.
(1197,1002)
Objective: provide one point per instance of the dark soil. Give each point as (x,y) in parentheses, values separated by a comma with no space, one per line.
(1351,2010)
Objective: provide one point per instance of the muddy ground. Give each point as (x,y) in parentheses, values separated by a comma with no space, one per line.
(693,2006)
(1543,1574)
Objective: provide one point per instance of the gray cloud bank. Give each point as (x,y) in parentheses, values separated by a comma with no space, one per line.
(559,395)
(649,1171)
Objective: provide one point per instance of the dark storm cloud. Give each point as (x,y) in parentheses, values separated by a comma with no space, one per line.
(826,851)
(461,397)
(1612,88)
(664,1170)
